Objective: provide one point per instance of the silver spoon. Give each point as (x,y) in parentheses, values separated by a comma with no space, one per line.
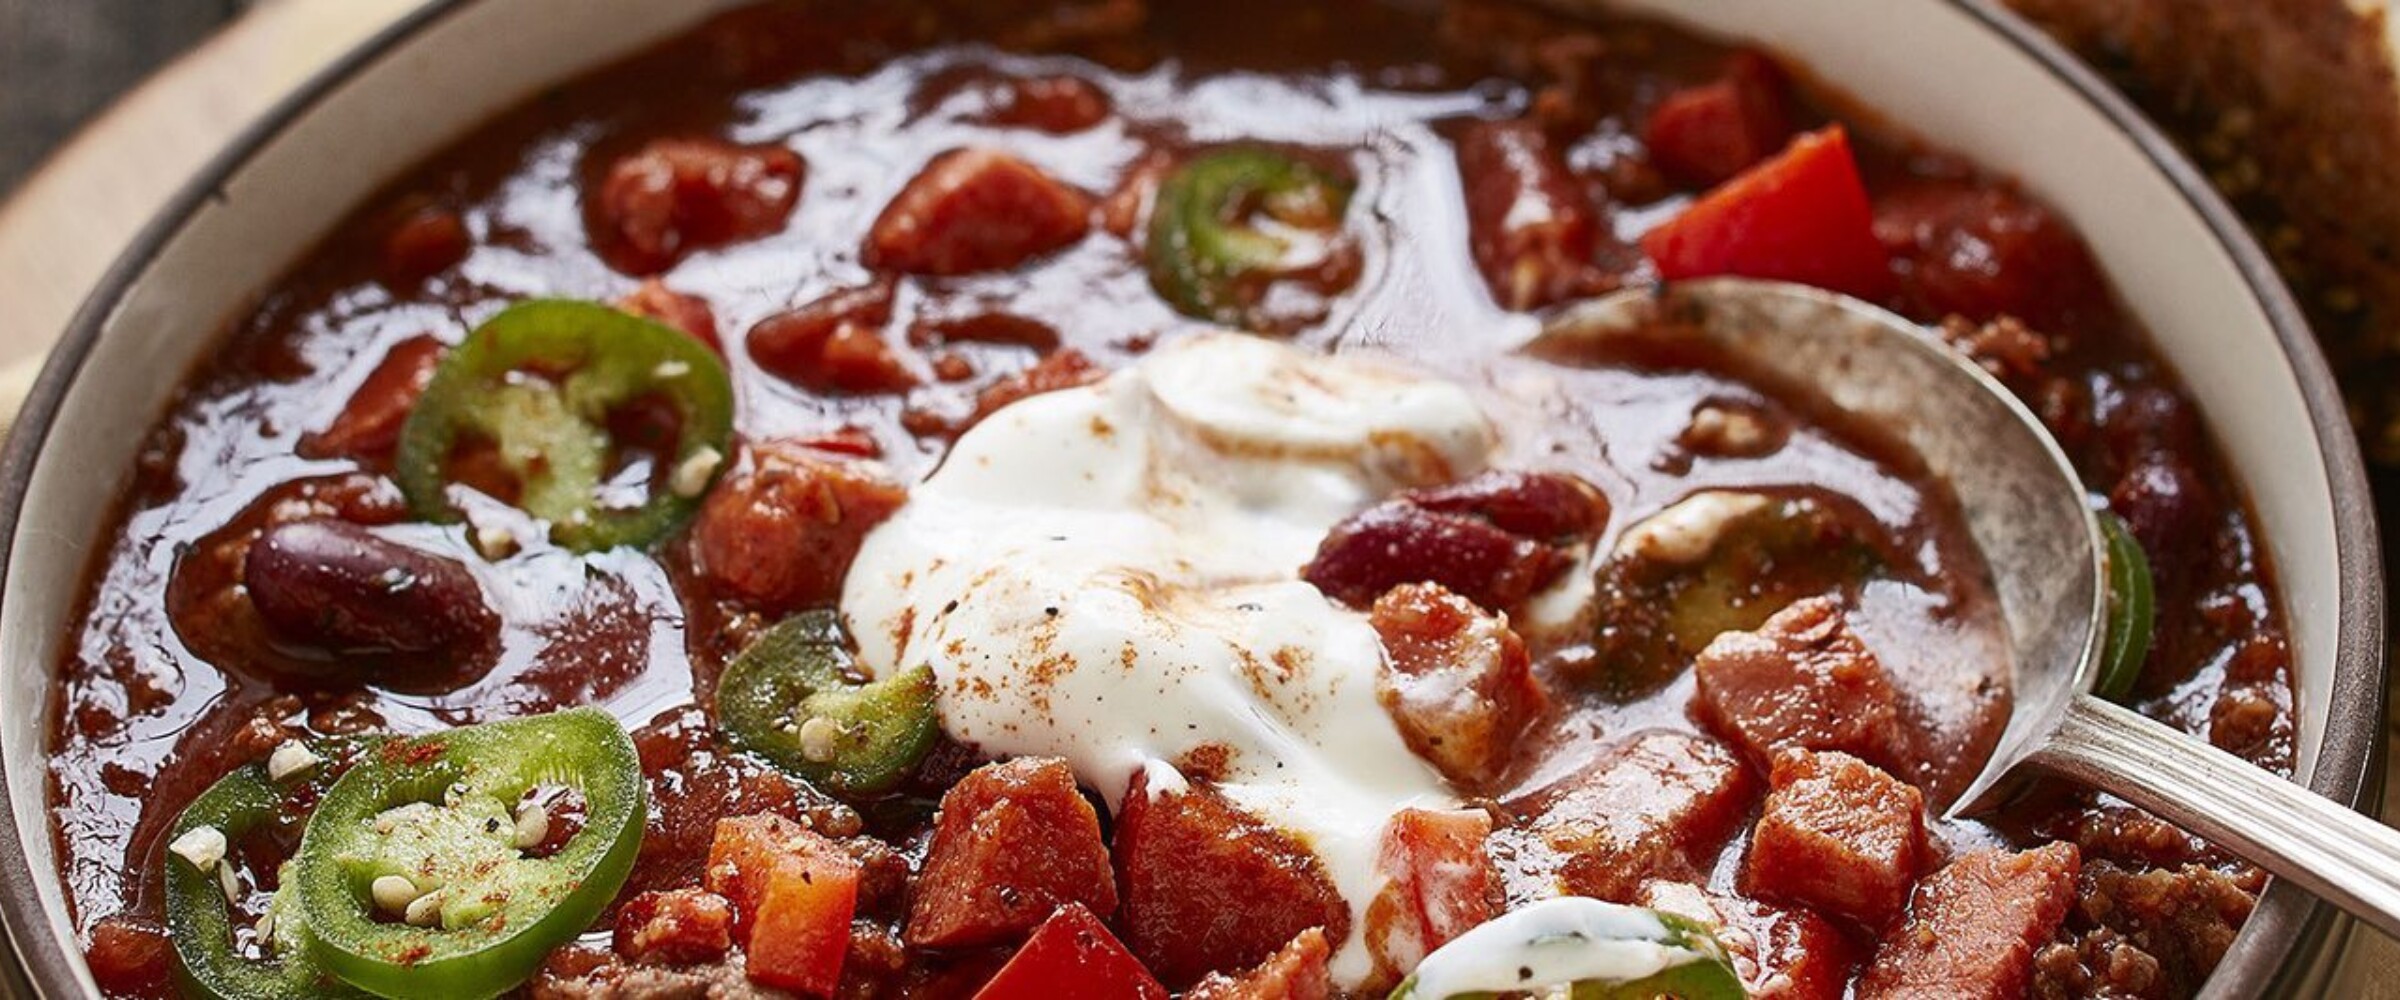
(2025,509)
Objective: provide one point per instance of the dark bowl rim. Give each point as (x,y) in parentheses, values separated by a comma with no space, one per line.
(2267,954)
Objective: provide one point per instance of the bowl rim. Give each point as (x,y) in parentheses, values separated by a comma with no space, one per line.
(2267,954)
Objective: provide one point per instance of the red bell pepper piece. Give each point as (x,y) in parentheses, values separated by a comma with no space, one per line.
(793,894)
(1072,956)
(1802,216)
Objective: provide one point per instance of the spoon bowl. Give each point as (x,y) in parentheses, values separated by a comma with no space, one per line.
(2027,510)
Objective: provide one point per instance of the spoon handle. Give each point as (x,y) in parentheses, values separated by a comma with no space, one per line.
(2343,857)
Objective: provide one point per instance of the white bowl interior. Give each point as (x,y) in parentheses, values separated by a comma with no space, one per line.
(1932,65)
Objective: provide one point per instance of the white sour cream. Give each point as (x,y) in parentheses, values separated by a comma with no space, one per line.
(1109,574)
(1553,943)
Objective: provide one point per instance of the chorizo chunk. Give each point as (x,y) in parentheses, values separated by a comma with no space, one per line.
(780,532)
(1972,927)
(975,210)
(1456,680)
(1209,887)
(1064,368)
(1803,679)
(1655,805)
(835,344)
(1014,842)
(677,195)
(1301,971)
(676,927)
(1837,835)
(653,300)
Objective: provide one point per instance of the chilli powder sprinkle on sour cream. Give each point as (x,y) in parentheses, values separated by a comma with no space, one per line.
(1109,574)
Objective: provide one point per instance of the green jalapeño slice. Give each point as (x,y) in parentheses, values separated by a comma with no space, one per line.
(543,403)
(2131,610)
(1231,222)
(450,865)
(249,958)
(793,697)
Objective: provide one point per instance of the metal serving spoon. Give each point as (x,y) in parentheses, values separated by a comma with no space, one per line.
(2025,509)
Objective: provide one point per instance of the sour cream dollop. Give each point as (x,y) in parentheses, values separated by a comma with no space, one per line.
(1109,574)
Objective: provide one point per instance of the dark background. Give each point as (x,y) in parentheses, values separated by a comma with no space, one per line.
(61,61)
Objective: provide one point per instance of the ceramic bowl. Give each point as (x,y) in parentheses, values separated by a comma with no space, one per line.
(1959,73)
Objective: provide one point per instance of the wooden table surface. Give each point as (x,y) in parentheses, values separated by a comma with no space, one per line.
(66,220)
(83,164)
(63,60)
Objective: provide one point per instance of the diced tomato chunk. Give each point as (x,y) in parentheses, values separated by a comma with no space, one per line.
(1803,679)
(1801,216)
(1839,836)
(129,956)
(780,531)
(1208,886)
(1791,954)
(1072,956)
(677,195)
(1301,971)
(1014,842)
(974,210)
(368,428)
(1702,136)
(1972,927)
(676,927)
(1656,804)
(794,893)
(1532,229)
(1054,104)
(653,300)
(1439,884)
(1456,680)
(424,240)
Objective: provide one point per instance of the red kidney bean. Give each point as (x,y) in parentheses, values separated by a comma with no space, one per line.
(2163,499)
(1549,506)
(1398,542)
(335,585)
(1494,538)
